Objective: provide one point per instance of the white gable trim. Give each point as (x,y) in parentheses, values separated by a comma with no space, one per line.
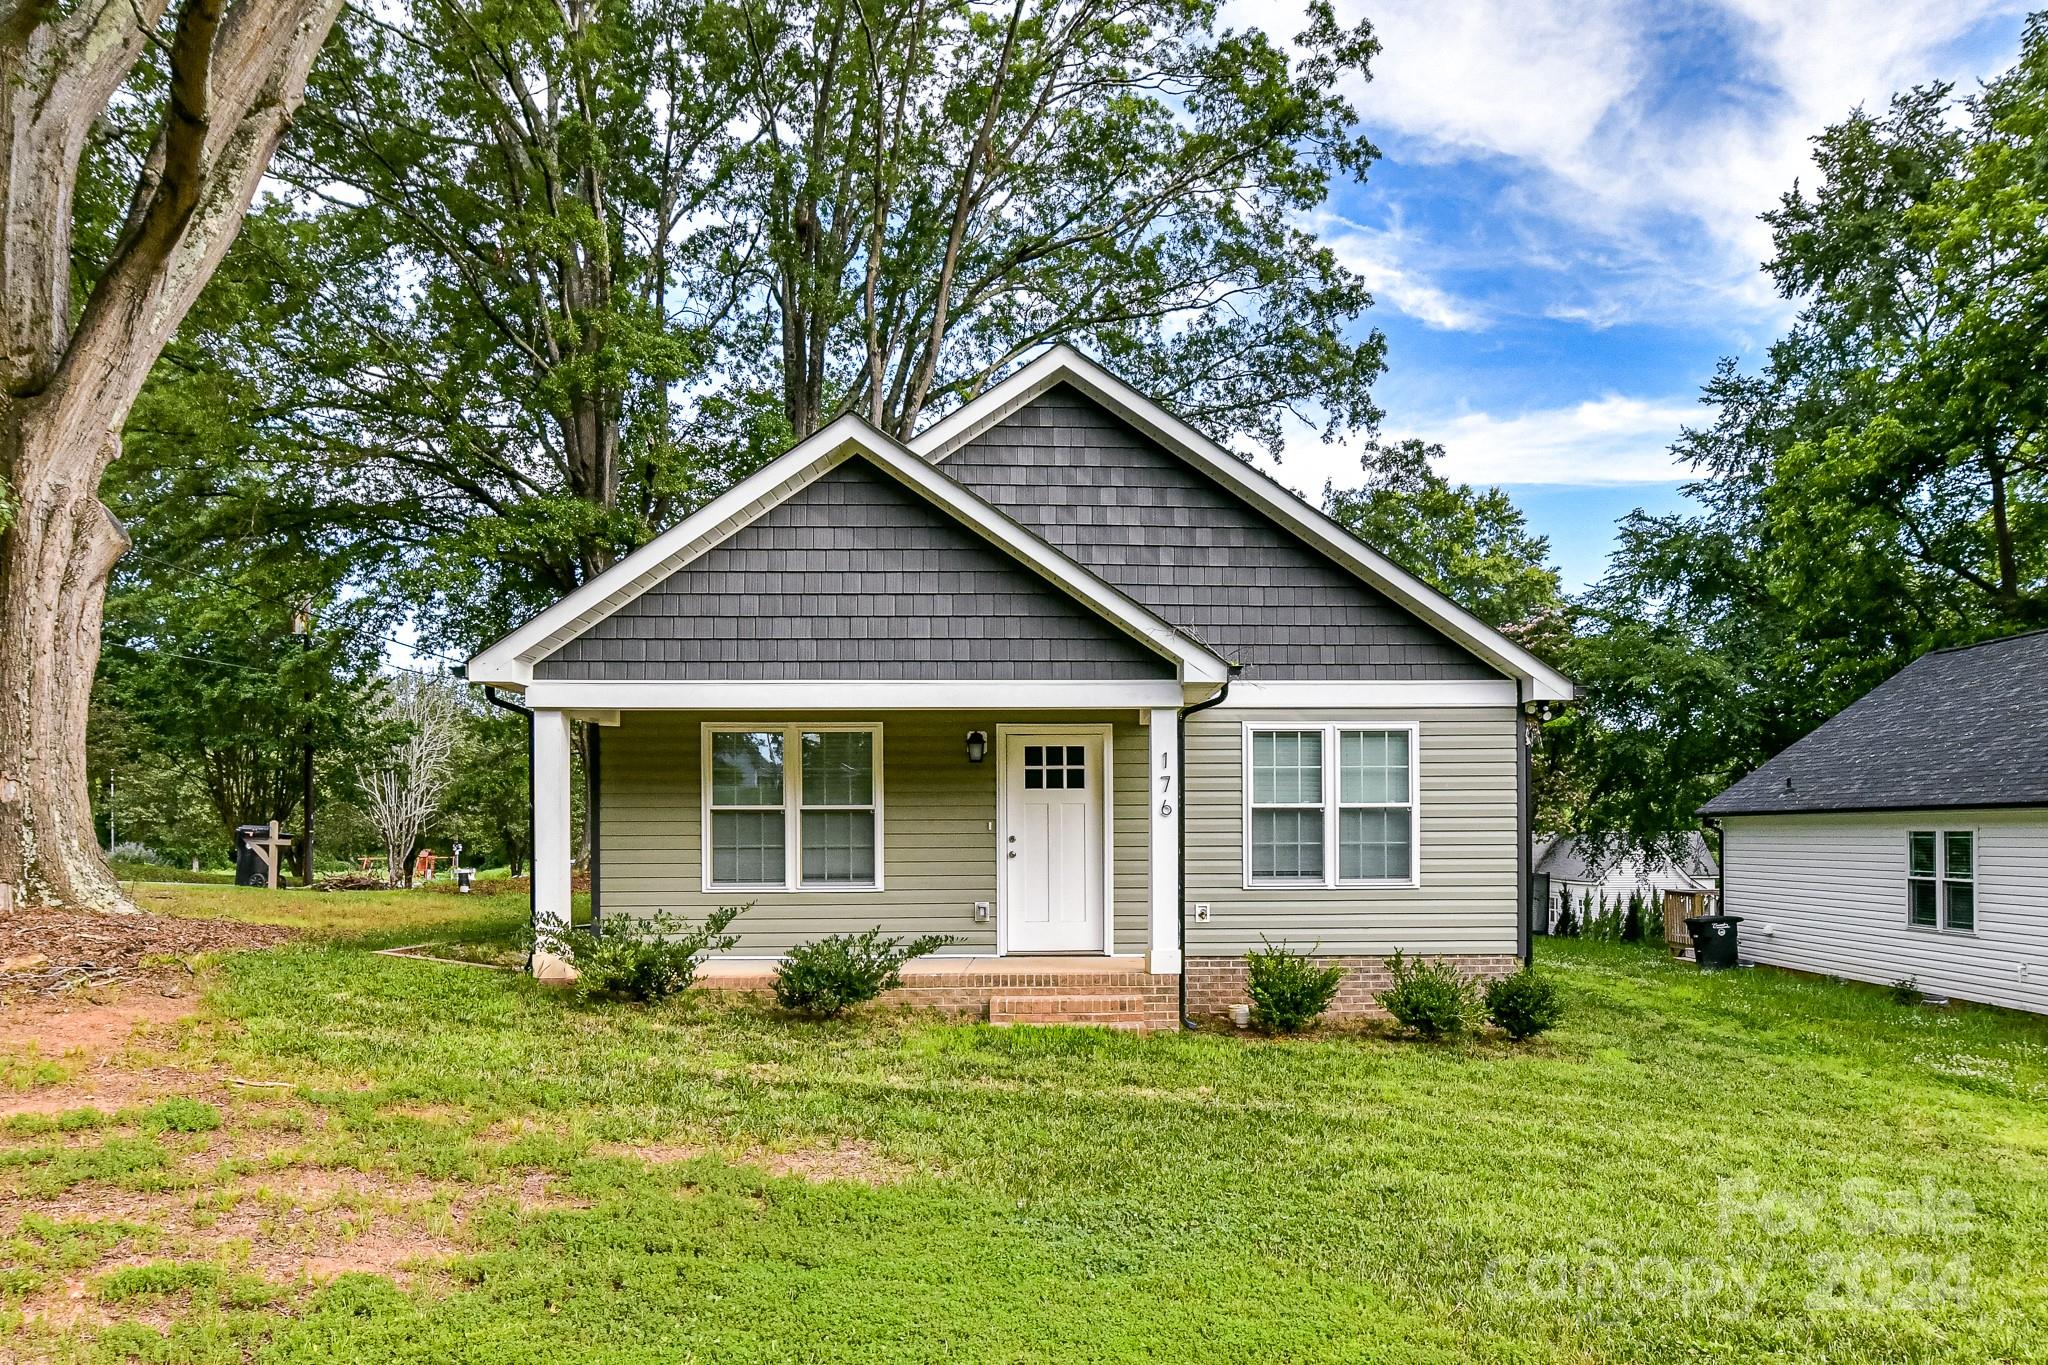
(509,661)
(1063,364)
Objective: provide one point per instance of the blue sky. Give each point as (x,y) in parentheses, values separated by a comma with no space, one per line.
(1562,235)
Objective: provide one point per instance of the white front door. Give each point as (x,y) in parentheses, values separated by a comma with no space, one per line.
(1052,845)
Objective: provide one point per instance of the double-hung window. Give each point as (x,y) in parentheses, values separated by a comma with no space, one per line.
(789,806)
(1941,880)
(1330,805)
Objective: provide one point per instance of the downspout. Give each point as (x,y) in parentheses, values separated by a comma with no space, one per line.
(1525,946)
(532,883)
(592,819)
(1181,811)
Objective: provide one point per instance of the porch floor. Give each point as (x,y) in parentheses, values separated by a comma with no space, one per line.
(1108,991)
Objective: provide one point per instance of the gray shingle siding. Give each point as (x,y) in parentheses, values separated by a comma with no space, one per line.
(853,577)
(1193,552)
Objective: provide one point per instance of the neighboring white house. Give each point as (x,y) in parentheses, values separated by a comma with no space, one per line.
(1569,872)
(1907,838)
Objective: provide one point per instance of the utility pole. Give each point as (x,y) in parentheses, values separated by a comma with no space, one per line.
(302,626)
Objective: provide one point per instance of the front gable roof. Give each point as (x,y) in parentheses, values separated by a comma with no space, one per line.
(1955,729)
(1061,365)
(511,661)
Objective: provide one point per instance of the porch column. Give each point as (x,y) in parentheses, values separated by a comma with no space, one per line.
(552,912)
(1163,792)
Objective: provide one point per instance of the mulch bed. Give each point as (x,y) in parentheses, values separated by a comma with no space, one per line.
(47,950)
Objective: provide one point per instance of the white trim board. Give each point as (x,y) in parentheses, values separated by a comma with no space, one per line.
(508,662)
(1063,364)
(862,695)
(1303,695)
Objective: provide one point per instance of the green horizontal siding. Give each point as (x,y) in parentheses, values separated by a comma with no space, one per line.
(1467,902)
(938,847)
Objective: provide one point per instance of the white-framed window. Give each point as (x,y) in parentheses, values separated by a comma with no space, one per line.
(791,806)
(1941,880)
(1331,804)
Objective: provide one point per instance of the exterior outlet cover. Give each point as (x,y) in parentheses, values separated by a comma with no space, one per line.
(1201,912)
(981,912)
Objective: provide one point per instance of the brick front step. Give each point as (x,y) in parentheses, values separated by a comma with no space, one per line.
(1121,1009)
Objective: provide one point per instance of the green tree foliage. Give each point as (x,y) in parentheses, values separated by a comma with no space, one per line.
(1471,544)
(1873,491)
(556,273)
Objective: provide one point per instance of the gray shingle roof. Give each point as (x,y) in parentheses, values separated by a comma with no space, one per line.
(1954,728)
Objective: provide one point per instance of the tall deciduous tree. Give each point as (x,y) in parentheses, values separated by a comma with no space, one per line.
(1879,488)
(71,367)
(1472,544)
(403,788)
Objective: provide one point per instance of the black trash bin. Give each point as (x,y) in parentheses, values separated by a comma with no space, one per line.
(249,868)
(1713,940)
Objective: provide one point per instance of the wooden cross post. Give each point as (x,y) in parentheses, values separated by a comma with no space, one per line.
(270,848)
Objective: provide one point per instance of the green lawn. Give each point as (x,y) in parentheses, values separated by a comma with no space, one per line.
(705,1182)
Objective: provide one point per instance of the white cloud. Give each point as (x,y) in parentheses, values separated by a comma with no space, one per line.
(1383,258)
(1615,172)
(1610,440)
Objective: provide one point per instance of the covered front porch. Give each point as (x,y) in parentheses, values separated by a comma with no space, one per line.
(1036,827)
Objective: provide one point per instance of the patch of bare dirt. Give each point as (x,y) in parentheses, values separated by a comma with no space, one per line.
(46,950)
(68,1025)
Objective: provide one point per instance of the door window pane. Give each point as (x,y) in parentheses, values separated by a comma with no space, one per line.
(747,847)
(1374,845)
(1287,843)
(746,768)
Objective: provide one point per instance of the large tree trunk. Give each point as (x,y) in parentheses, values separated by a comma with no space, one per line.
(237,69)
(54,563)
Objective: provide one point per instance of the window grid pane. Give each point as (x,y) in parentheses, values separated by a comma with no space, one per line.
(839,768)
(746,768)
(1962,906)
(1287,843)
(1287,767)
(1372,767)
(1920,903)
(1374,845)
(747,848)
(1958,845)
(1920,853)
(839,847)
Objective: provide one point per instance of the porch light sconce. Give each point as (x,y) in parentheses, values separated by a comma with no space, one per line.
(977,746)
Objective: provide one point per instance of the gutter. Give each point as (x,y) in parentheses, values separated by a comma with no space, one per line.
(532,883)
(1181,811)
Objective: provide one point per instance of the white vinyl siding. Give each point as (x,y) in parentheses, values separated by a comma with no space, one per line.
(1466,850)
(1832,894)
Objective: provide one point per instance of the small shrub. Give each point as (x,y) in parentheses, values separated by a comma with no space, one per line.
(1523,1005)
(646,957)
(1906,992)
(826,978)
(1433,999)
(1567,923)
(1632,921)
(1288,990)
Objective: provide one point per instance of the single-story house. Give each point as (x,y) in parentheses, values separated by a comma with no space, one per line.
(1061,679)
(1907,838)
(1567,871)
